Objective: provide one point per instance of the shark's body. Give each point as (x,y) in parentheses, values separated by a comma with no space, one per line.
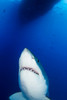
(33,81)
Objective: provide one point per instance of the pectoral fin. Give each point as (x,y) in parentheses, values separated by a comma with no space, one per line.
(17,96)
(46,98)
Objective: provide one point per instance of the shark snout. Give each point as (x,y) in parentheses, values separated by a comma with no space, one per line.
(25,50)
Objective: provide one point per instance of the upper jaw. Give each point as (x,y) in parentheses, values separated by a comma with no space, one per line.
(29,69)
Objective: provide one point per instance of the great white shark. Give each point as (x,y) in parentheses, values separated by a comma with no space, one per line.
(33,81)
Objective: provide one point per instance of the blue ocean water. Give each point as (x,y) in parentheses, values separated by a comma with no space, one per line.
(46,37)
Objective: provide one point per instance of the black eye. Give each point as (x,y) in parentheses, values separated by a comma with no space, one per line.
(38,60)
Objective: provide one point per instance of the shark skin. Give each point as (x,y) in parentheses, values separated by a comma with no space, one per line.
(33,81)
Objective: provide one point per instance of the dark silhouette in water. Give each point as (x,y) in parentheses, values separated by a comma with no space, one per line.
(31,9)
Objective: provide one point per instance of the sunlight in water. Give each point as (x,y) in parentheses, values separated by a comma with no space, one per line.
(65,1)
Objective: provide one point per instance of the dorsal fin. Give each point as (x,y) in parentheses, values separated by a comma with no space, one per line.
(17,96)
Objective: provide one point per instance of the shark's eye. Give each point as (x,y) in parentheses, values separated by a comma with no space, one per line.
(38,60)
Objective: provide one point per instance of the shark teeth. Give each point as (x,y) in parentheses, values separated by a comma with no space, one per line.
(29,69)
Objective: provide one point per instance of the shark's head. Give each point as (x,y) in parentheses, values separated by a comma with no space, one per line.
(31,79)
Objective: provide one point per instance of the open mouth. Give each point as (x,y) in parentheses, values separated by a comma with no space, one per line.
(29,69)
